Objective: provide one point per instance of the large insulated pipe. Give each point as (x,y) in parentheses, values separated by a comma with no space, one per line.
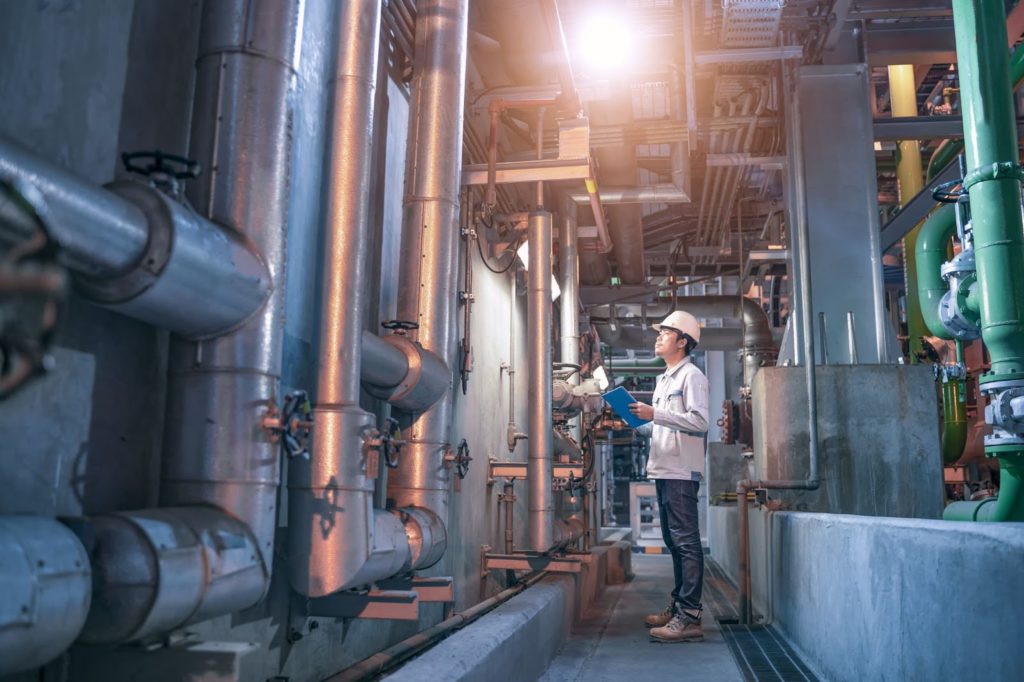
(428,276)
(569,282)
(402,372)
(337,540)
(993,182)
(538,362)
(46,591)
(215,449)
(813,480)
(209,549)
(903,94)
(140,253)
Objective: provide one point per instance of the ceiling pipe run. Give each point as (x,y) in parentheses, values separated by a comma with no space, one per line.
(758,344)
(428,279)
(135,250)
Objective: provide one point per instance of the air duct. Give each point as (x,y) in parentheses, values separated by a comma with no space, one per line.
(428,281)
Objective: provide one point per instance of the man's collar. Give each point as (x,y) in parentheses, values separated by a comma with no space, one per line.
(669,371)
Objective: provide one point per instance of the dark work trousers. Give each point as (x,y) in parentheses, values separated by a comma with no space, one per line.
(677,501)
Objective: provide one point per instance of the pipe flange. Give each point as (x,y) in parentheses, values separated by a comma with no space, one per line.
(146,270)
(958,264)
(996,383)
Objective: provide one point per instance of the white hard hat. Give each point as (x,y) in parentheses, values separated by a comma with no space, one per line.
(681,321)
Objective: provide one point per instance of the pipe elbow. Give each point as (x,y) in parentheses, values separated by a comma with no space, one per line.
(426,379)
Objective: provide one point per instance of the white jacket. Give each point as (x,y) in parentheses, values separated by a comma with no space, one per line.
(680,422)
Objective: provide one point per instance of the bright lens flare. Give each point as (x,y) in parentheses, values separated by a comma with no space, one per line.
(606,43)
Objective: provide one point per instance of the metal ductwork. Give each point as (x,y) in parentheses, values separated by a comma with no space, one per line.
(209,549)
(135,250)
(428,282)
(46,591)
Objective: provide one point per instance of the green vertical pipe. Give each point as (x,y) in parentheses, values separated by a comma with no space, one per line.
(932,251)
(948,150)
(954,422)
(990,137)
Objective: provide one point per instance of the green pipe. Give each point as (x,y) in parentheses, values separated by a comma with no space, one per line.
(1009,506)
(932,251)
(990,137)
(954,421)
(949,149)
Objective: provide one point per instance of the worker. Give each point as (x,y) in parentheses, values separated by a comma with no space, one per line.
(678,421)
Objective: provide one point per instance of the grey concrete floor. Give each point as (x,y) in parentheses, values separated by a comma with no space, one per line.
(612,643)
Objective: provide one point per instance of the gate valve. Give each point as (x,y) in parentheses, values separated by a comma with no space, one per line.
(291,425)
(162,170)
(460,459)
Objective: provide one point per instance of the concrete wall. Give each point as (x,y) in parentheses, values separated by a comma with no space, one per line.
(878,432)
(868,598)
(893,599)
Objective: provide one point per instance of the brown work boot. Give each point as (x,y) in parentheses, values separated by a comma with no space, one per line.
(682,628)
(660,619)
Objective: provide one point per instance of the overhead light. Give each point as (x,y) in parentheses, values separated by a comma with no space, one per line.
(601,378)
(523,253)
(605,43)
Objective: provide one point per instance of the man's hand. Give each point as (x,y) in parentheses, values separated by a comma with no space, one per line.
(642,410)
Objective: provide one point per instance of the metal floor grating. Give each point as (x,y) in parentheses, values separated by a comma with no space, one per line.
(763,656)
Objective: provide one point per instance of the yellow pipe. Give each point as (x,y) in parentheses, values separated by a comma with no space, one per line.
(909,173)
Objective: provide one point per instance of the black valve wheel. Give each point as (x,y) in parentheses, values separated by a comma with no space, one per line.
(157,162)
(400,326)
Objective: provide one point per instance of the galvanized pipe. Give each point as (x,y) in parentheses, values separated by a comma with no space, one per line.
(349,543)
(569,316)
(428,280)
(46,591)
(158,569)
(813,479)
(402,372)
(215,449)
(538,333)
(138,252)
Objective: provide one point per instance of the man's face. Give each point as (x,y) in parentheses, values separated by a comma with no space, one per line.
(666,342)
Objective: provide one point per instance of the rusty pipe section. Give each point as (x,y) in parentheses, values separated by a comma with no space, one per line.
(428,280)
(136,251)
(538,362)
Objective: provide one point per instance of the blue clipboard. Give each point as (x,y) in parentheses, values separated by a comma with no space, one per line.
(620,400)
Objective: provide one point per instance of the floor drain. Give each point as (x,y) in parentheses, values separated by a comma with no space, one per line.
(763,656)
